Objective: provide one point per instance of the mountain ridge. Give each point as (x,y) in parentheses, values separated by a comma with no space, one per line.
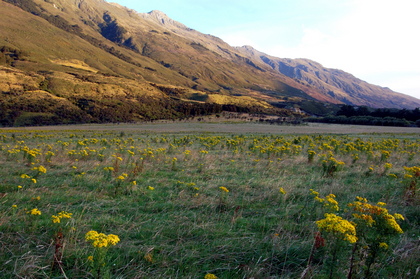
(84,49)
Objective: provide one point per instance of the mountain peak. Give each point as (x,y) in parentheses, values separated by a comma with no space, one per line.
(159,15)
(161,18)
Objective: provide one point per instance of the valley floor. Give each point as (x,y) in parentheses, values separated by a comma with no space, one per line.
(232,127)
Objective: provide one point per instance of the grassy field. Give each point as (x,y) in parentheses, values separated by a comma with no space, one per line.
(214,125)
(209,200)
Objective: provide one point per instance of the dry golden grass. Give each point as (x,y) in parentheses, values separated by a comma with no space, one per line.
(237,100)
(74,63)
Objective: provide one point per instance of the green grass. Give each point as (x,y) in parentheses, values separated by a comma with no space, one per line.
(175,221)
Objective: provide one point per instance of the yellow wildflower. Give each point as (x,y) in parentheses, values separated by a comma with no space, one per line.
(55,219)
(383,245)
(224,189)
(210,276)
(148,257)
(367,218)
(100,240)
(91,235)
(315,193)
(331,203)
(34,211)
(379,216)
(338,226)
(61,215)
(361,199)
(398,216)
(90,258)
(113,239)
(151,188)
(281,190)
(42,169)
(388,165)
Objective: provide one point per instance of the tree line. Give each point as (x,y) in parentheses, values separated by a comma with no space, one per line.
(363,115)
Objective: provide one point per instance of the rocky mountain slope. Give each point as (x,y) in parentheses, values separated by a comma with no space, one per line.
(90,60)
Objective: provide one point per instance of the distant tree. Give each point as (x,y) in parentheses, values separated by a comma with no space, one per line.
(362,111)
(347,110)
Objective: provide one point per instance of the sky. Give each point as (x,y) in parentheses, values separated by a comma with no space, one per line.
(377,41)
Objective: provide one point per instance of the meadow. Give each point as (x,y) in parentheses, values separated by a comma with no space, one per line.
(119,202)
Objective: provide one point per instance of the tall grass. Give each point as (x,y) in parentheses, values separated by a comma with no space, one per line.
(191,205)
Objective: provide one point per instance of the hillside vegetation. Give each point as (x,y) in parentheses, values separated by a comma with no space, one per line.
(93,61)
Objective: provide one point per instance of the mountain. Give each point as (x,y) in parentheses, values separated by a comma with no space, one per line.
(78,61)
(342,87)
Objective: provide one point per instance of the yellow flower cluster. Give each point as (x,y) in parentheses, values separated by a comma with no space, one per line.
(311,152)
(331,165)
(412,176)
(40,169)
(376,215)
(388,166)
(117,157)
(385,154)
(311,155)
(210,276)
(329,201)
(31,152)
(224,189)
(100,240)
(122,176)
(383,245)
(413,170)
(366,218)
(338,226)
(61,215)
(34,211)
